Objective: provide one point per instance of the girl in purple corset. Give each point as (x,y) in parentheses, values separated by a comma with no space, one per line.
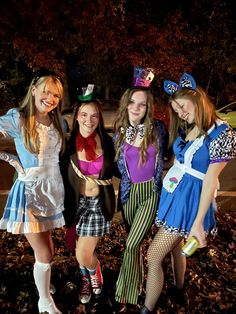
(139,143)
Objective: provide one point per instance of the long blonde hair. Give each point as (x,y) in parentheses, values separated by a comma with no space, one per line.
(27,111)
(122,121)
(205,114)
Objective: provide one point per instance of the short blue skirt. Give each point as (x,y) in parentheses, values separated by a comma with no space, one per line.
(35,206)
(177,210)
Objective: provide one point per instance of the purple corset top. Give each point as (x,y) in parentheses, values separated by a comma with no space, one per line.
(140,173)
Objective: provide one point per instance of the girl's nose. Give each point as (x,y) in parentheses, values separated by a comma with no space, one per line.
(50,97)
(136,106)
(181,113)
(89,119)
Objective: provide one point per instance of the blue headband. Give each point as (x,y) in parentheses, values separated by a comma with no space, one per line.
(186,81)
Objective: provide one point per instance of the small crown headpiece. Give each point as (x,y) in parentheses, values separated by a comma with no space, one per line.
(143,77)
(186,81)
(87,93)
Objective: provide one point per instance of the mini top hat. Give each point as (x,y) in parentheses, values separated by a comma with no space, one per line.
(143,77)
(87,93)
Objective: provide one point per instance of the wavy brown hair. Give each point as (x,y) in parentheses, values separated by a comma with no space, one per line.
(27,111)
(122,121)
(205,114)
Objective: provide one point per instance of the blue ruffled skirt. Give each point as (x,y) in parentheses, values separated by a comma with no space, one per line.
(177,210)
(35,206)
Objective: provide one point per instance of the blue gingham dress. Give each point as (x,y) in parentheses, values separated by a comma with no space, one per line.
(36,200)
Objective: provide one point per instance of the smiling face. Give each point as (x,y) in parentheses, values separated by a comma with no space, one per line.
(185,109)
(47,97)
(88,119)
(137,107)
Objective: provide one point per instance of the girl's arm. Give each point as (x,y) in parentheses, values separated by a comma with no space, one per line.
(12,160)
(207,194)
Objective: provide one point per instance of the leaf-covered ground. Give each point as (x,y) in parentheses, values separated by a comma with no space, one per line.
(210,277)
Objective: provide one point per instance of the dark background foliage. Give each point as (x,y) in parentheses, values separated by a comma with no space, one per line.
(100,41)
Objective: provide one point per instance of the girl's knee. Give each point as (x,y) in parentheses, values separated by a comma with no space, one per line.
(44,257)
(132,247)
(155,253)
(84,257)
(44,267)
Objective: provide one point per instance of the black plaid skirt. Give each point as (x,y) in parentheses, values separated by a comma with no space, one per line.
(90,220)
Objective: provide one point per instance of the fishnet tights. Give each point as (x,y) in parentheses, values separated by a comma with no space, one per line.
(162,244)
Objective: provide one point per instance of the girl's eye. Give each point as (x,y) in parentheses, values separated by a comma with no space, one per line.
(143,105)
(48,93)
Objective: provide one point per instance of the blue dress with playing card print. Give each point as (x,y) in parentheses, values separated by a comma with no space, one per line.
(182,184)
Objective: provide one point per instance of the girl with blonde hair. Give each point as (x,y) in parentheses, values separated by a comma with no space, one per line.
(36,200)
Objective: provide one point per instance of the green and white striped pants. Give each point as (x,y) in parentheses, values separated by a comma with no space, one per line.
(139,212)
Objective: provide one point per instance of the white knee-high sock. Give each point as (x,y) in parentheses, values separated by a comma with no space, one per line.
(42,278)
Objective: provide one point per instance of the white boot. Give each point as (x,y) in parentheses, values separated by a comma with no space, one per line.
(48,305)
(42,277)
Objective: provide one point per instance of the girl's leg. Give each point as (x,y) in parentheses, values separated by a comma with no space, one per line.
(140,219)
(43,250)
(89,268)
(42,245)
(85,251)
(177,293)
(162,244)
(178,265)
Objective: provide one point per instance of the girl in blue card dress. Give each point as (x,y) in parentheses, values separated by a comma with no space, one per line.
(187,202)
(35,202)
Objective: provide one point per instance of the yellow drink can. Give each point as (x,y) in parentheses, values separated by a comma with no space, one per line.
(190,246)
